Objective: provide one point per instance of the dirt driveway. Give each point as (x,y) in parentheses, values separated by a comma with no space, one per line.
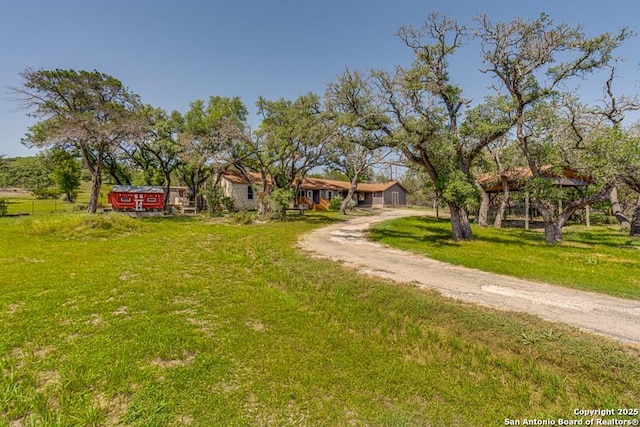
(613,317)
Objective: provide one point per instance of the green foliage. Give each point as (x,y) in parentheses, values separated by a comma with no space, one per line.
(610,153)
(206,120)
(81,111)
(278,200)
(217,202)
(30,173)
(329,173)
(46,193)
(208,139)
(291,140)
(458,189)
(543,189)
(158,155)
(421,190)
(67,175)
(334,203)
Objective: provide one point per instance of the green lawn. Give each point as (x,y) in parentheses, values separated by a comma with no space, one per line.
(108,320)
(25,203)
(601,259)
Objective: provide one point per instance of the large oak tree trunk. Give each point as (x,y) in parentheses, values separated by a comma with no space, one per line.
(94,166)
(552,232)
(635,221)
(352,190)
(497,223)
(553,228)
(96,184)
(617,211)
(483,211)
(460,226)
(167,191)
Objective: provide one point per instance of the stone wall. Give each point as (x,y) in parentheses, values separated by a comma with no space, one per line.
(239,193)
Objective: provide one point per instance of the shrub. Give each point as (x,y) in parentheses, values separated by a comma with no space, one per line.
(217,202)
(278,200)
(243,217)
(334,204)
(46,193)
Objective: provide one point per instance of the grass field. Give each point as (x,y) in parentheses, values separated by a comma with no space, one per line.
(23,202)
(601,259)
(26,204)
(108,320)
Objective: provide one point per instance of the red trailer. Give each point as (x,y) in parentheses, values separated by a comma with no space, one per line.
(136,198)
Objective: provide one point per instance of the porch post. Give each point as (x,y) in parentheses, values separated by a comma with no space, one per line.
(587,220)
(526,212)
(560,201)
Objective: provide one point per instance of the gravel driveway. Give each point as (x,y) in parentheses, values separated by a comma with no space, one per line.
(613,317)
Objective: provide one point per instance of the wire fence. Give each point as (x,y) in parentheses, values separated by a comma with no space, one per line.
(18,207)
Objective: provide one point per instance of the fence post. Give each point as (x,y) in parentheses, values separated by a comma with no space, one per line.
(33,207)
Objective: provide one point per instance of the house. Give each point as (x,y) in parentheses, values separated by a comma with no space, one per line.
(243,193)
(136,198)
(315,192)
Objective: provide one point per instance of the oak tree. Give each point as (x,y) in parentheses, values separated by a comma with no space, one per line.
(89,111)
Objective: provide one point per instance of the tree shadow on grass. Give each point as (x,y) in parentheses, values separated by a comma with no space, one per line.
(438,233)
(419,230)
(429,231)
(611,238)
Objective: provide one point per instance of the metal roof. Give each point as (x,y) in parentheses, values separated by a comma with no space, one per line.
(516,178)
(137,189)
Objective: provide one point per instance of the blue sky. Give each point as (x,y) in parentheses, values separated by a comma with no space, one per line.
(171,53)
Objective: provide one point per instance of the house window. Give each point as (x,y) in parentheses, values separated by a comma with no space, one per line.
(309,194)
(249,192)
(151,200)
(125,199)
(329,195)
(361,197)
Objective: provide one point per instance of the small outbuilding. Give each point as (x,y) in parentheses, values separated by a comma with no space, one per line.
(136,198)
